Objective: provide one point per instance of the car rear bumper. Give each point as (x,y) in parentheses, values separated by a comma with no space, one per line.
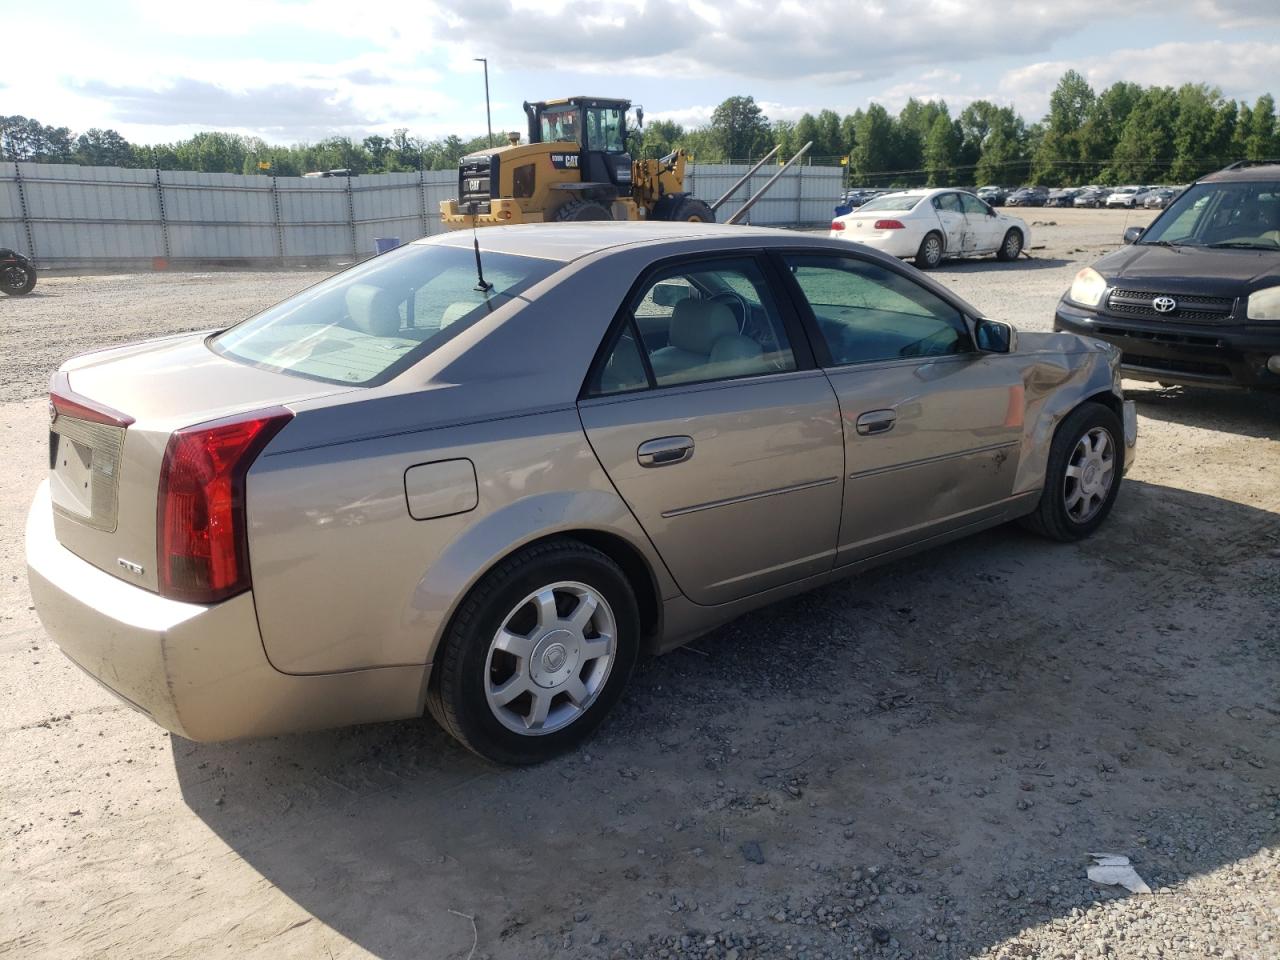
(198,671)
(896,243)
(1186,353)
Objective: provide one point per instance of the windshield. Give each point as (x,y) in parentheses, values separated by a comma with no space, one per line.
(367,324)
(560,124)
(1237,214)
(604,129)
(895,202)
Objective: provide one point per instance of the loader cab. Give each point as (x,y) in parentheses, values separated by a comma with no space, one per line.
(594,132)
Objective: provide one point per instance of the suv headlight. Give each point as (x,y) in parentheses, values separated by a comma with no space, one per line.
(1264,304)
(1087,288)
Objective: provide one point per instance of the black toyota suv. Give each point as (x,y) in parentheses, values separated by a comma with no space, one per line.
(1195,297)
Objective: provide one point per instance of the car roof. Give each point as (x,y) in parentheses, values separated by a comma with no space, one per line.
(1245,171)
(571,241)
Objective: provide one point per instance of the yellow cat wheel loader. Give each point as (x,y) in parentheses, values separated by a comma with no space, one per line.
(576,166)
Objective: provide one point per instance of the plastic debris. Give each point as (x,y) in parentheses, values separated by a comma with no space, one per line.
(1114,870)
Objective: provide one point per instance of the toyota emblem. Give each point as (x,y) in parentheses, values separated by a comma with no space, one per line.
(1164,304)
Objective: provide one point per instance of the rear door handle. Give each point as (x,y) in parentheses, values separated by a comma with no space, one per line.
(664,451)
(876,421)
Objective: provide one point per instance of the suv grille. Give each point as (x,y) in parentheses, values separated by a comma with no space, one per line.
(477,178)
(1190,308)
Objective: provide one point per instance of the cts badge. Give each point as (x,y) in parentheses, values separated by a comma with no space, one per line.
(129,565)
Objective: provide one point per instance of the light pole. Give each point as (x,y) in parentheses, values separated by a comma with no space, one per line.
(488,119)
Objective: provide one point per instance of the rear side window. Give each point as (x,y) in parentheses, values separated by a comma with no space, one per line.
(367,324)
(866,313)
(708,320)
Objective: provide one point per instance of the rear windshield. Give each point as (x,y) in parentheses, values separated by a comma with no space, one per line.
(367,324)
(894,202)
(1237,214)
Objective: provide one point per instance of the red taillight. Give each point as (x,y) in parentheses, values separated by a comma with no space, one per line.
(65,403)
(201,541)
(837,224)
(889,225)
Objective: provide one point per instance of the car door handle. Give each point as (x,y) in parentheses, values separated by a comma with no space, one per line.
(664,451)
(876,421)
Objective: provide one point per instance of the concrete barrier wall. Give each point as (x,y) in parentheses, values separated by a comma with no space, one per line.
(69,216)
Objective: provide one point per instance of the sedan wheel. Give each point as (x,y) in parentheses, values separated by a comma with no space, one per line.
(1089,475)
(537,653)
(1012,245)
(930,253)
(550,659)
(1082,477)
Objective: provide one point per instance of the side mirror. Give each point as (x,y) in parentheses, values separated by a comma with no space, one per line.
(669,294)
(992,336)
(1132,234)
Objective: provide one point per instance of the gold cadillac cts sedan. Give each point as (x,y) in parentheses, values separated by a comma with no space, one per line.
(480,480)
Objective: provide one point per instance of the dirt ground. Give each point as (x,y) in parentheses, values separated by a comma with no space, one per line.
(914,763)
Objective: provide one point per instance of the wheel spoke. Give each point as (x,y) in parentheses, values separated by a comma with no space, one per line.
(541,707)
(582,614)
(546,603)
(577,691)
(1074,471)
(514,644)
(508,691)
(1074,498)
(596,647)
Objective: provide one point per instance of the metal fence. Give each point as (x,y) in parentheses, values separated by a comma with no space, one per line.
(66,215)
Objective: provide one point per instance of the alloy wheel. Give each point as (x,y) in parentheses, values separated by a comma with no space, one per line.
(1090,474)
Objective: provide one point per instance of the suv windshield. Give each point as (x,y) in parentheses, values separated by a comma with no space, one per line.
(367,324)
(1239,214)
(898,203)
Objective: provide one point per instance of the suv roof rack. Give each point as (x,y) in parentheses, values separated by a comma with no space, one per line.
(1241,164)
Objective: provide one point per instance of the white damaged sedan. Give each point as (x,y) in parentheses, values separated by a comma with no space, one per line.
(932,225)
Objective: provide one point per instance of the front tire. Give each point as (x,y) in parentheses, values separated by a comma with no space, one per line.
(1011,246)
(578,210)
(537,654)
(930,253)
(1082,479)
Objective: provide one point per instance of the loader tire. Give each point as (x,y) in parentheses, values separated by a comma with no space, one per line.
(685,209)
(578,210)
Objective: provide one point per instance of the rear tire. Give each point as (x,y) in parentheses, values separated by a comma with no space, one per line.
(502,634)
(1079,492)
(685,209)
(930,253)
(17,280)
(578,210)
(1011,246)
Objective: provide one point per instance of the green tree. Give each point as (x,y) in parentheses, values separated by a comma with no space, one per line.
(1058,154)
(1262,141)
(104,148)
(1145,151)
(829,144)
(1202,133)
(739,129)
(873,149)
(942,151)
(660,137)
(806,132)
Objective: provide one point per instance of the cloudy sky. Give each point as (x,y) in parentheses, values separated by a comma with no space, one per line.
(290,70)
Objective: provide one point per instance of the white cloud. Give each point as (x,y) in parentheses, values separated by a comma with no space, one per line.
(1239,69)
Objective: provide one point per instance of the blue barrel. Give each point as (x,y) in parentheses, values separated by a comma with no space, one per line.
(382,244)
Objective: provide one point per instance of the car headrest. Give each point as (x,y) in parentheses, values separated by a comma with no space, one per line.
(696,325)
(373,310)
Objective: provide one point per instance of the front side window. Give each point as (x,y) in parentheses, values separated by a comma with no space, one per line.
(710,320)
(366,324)
(1240,214)
(604,129)
(973,206)
(947,203)
(559,124)
(867,313)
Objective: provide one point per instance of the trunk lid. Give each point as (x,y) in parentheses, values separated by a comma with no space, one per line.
(104,476)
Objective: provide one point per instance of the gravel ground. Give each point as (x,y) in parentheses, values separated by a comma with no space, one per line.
(912,764)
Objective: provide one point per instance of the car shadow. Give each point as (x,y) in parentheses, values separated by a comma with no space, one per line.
(991,264)
(1248,413)
(970,723)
